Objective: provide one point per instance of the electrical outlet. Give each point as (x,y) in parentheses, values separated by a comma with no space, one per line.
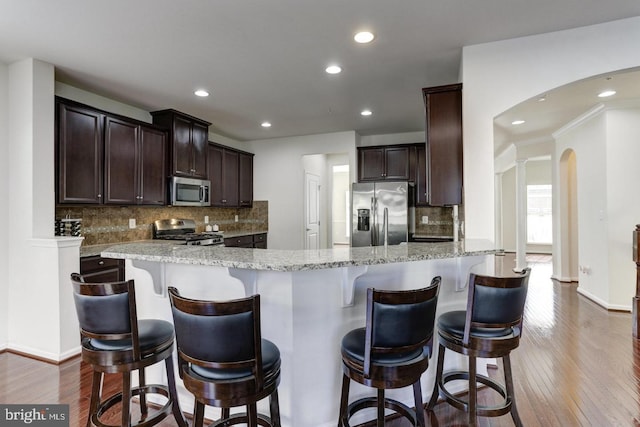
(236,218)
(425,219)
(132,223)
(206,219)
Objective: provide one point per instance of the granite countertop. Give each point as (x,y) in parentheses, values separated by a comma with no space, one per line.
(94,250)
(296,260)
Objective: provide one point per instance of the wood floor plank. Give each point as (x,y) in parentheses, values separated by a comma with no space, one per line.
(577,365)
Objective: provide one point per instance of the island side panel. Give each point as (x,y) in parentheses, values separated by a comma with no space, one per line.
(320,321)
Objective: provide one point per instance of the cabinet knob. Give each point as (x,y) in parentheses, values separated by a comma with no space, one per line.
(101,262)
(99,196)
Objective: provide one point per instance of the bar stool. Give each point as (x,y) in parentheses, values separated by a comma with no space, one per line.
(115,341)
(392,351)
(490,327)
(223,359)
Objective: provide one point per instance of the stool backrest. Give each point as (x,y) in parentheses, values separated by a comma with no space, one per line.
(496,302)
(400,321)
(221,335)
(106,311)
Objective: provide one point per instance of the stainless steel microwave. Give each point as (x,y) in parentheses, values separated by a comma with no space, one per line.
(189,191)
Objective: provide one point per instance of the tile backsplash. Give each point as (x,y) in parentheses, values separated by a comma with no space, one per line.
(440,220)
(106,224)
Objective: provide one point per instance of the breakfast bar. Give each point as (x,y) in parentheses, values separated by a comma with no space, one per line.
(309,300)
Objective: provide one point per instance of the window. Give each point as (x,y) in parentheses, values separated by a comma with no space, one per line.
(539,223)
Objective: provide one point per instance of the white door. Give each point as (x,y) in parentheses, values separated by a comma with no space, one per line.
(312,211)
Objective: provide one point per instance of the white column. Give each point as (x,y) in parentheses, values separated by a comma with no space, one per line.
(40,314)
(521,215)
(497,184)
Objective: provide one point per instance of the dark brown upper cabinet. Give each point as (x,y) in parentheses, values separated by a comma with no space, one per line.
(443,105)
(384,163)
(103,158)
(420,179)
(79,148)
(188,140)
(231,176)
(245,179)
(135,161)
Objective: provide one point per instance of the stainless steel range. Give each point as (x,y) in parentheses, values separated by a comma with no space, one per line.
(183,232)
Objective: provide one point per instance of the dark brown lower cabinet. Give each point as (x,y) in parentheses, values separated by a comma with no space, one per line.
(96,269)
(256,241)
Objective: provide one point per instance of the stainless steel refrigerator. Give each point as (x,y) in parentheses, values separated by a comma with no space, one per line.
(376,203)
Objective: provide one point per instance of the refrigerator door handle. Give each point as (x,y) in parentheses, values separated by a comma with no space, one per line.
(374,222)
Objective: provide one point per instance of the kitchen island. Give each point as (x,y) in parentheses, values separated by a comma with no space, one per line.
(309,300)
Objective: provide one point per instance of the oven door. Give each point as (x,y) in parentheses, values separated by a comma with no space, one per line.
(189,192)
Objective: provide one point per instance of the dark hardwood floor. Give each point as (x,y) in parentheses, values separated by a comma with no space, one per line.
(577,365)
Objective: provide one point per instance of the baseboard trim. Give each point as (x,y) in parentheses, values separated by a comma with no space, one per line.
(43,356)
(602,303)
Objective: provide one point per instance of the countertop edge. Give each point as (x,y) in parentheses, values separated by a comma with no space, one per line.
(293,260)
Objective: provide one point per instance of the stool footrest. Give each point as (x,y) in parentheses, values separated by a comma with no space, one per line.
(484,411)
(161,414)
(372,402)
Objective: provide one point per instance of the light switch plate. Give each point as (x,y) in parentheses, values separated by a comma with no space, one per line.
(132,223)
(424,219)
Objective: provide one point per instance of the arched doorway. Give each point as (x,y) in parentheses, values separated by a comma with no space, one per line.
(566,255)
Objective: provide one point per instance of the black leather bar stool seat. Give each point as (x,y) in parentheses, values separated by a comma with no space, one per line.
(491,327)
(115,341)
(392,351)
(223,359)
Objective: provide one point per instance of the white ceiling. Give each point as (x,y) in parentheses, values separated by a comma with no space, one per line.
(550,111)
(265,59)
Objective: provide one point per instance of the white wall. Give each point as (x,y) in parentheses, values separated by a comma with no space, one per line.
(278,177)
(497,76)
(391,139)
(623,205)
(4,207)
(588,140)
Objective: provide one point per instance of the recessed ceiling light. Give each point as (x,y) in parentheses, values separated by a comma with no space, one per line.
(517,122)
(266,125)
(201,93)
(366,112)
(606,93)
(333,69)
(363,37)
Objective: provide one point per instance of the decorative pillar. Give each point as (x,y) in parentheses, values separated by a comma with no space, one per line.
(521,215)
(497,190)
